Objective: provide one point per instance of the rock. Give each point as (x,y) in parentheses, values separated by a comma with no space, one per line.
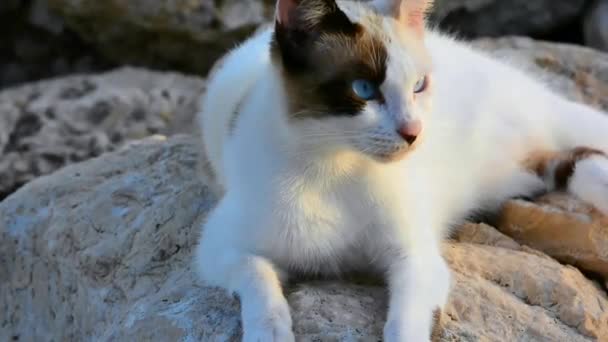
(46,125)
(505,295)
(596,25)
(484,234)
(566,229)
(101,250)
(8,5)
(475,18)
(177,34)
(36,44)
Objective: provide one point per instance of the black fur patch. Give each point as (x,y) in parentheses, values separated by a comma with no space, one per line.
(322,52)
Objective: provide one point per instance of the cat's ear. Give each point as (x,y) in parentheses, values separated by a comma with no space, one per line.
(308,15)
(414,13)
(411,13)
(284,10)
(300,23)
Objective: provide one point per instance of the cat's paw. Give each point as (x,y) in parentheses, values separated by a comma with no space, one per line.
(416,320)
(272,324)
(413,329)
(589,181)
(406,331)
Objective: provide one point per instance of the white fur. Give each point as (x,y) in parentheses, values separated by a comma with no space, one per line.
(590,182)
(295,206)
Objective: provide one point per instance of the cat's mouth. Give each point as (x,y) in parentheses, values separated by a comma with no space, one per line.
(394,155)
(385,151)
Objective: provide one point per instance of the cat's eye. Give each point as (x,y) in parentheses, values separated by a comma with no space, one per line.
(366,90)
(421,85)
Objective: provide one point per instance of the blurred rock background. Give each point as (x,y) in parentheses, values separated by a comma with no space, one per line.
(44,38)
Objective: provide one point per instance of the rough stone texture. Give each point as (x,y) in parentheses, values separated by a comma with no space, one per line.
(475,18)
(596,25)
(179,34)
(101,250)
(569,231)
(36,44)
(46,125)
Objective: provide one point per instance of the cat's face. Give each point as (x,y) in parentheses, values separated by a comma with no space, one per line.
(357,75)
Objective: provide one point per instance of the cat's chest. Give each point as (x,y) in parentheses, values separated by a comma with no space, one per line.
(317,231)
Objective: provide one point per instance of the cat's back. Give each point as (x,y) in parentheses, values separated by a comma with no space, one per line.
(485,82)
(229,82)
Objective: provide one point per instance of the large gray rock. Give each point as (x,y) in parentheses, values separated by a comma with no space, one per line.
(101,250)
(182,35)
(36,44)
(596,25)
(49,124)
(475,18)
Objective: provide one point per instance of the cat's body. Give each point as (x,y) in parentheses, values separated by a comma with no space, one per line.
(294,203)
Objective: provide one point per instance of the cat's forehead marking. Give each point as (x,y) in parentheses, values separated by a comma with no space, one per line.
(362,49)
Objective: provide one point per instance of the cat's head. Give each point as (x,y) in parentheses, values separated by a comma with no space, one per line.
(357,74)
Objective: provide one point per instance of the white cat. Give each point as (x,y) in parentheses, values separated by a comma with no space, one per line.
(350,137)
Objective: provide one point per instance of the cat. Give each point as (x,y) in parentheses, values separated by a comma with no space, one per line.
(348,136)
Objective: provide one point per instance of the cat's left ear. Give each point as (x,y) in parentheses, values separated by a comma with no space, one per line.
(411,13)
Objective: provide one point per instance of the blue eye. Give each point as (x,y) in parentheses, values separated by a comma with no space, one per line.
(421,85)
(365,89)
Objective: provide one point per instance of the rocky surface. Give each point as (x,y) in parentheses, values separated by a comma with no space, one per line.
(46,125)
(474,18)
(37,44)
(177,34)
(569,231)
(596,25)
(101,250)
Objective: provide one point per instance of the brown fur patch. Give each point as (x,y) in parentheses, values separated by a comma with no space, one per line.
(559,165)
(538,161)
(565,168)
(321,53)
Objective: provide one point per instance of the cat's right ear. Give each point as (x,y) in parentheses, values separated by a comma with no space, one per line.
(289,39)
(284,10)
(299,25)
(411,13)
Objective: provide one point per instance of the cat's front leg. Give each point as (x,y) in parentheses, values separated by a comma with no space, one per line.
(264,310)
(419,285)
(222,261)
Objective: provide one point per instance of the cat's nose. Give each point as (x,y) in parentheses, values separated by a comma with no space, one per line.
(409,131)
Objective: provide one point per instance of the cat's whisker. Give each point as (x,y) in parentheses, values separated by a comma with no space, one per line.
(341,134)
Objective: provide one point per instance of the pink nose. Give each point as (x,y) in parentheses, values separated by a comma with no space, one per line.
(409,131)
